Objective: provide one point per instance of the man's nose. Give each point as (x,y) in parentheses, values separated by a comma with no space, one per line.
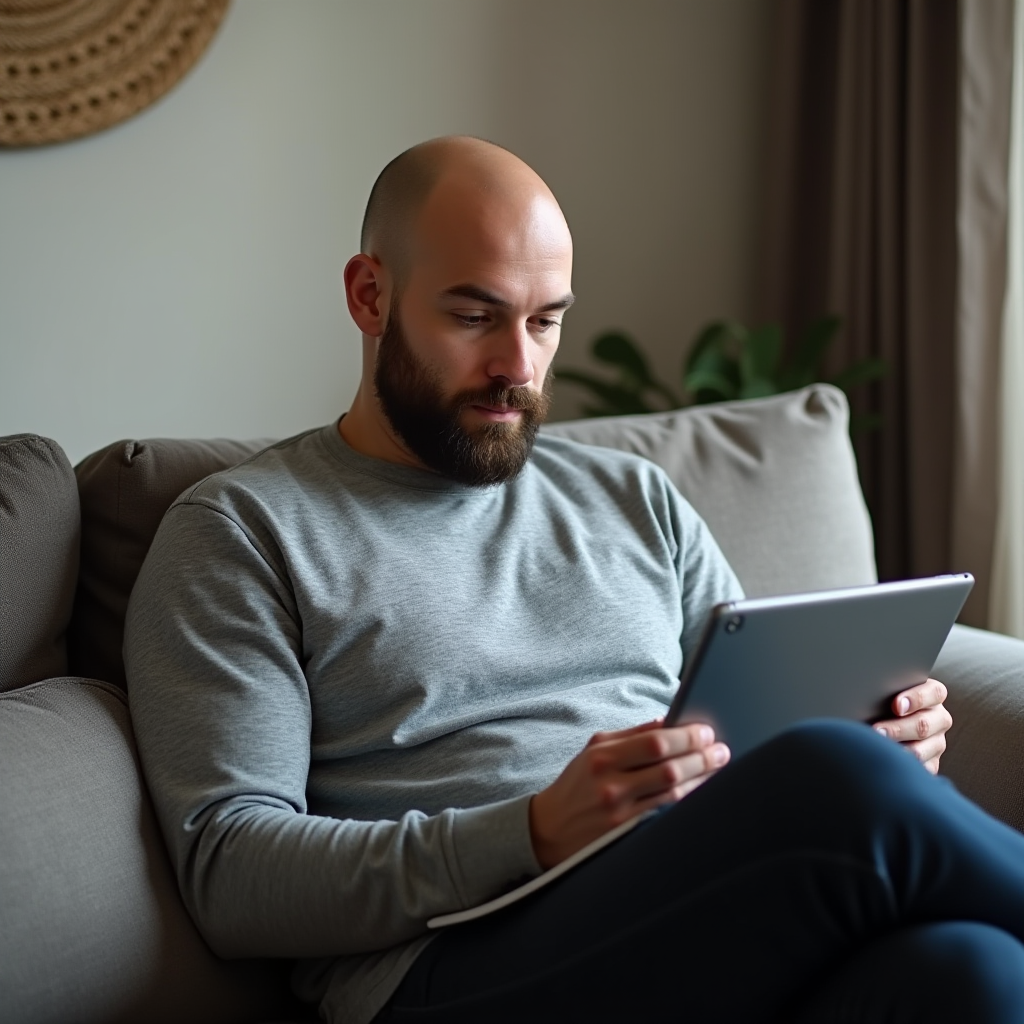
(512,358)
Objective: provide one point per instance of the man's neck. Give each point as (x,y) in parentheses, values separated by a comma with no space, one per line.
(365,429)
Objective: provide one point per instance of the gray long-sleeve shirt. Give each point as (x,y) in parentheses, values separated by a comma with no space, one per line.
(347,678)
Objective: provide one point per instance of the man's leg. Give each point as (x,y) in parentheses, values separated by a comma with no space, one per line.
(957,971)
(740,901)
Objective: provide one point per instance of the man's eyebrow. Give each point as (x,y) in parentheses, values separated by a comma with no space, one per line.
(563,303)
(478,294)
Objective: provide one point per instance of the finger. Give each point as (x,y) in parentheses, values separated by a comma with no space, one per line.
(663,777)
(604,737)
(918,726)
(652,747)
(923,695)
(672,796)
(932,765)
(927,750)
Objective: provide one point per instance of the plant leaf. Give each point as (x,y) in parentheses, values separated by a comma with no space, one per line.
(758,387)
(710,339)
(618,350)
(709,386)
(764,346)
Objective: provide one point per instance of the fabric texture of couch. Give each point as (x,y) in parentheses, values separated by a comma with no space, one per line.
(95,929)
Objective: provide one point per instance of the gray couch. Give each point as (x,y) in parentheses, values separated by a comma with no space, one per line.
(94,930)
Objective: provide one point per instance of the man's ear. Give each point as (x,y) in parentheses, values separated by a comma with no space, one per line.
(367,291)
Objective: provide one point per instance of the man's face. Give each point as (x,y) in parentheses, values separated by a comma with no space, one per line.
(463,368)
(439,428)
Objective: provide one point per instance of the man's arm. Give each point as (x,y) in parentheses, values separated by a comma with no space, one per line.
(221,709)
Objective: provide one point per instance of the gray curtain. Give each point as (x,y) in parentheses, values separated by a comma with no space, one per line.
(861,221)
(986,81)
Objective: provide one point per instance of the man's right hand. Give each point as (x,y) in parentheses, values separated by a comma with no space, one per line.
(617,776)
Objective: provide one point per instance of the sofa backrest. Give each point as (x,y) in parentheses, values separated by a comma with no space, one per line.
(125,490)
(39,537)
(775,479)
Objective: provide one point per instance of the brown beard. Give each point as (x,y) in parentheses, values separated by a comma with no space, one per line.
(430,425)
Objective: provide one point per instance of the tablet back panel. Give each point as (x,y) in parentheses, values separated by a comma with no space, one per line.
(764,664)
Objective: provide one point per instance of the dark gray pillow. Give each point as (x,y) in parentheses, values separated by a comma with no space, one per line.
(125,490)
(39,532)
(93,927)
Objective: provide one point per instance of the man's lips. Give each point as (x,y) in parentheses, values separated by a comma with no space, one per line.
(498,412)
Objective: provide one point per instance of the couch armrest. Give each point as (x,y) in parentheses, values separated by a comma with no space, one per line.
(985,676)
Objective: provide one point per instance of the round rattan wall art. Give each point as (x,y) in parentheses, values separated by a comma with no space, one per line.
(71,67)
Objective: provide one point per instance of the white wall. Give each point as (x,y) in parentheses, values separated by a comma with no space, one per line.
(178,275)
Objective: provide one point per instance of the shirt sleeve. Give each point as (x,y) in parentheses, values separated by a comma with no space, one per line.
(221,711)
(706,577)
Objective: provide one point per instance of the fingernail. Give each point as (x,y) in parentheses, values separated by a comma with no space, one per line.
(706,735)
(881,730)
(903,705)
(718,757)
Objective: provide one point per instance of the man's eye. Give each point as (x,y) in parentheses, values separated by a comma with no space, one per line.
(470,319)
(544,323)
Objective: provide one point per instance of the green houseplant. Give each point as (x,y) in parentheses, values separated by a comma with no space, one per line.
(726,361)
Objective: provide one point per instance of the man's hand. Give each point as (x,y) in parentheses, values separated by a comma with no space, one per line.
(617,776)
(921,722)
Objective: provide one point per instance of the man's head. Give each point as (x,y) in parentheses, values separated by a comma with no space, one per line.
(459,292)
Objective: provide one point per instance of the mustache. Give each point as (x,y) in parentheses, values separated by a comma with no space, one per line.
(510,398)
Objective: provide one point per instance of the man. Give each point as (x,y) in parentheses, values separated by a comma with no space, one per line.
(389,668)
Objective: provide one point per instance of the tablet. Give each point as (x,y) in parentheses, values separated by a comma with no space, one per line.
(765,663)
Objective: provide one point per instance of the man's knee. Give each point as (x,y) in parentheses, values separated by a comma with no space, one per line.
(840,764)
(836,746)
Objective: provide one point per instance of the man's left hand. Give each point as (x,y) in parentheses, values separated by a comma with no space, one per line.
(921,722)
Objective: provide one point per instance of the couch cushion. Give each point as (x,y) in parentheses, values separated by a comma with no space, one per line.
(93,927)
(775,479)
(984,673)
(39,534)
(125,489)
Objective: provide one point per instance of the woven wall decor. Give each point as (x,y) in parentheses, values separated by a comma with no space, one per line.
(71,67)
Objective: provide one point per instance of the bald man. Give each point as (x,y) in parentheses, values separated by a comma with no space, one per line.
(392,667)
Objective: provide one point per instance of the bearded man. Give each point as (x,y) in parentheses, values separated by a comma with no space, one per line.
(389,668)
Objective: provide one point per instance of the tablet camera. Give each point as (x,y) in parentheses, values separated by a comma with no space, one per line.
(734,624)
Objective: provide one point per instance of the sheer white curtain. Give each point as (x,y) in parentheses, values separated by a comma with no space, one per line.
(1006,596)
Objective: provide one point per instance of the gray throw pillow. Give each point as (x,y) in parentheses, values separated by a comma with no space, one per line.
(39,533)
(94,931)
(125,490)
(774,478)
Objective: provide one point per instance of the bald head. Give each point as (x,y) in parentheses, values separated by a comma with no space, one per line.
(459,292)
(471,171)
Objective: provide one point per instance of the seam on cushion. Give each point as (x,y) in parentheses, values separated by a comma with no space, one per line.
(36,441)
(18,440)
(119,556)
(98,684)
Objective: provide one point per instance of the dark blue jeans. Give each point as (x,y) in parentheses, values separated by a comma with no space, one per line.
(826,876)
